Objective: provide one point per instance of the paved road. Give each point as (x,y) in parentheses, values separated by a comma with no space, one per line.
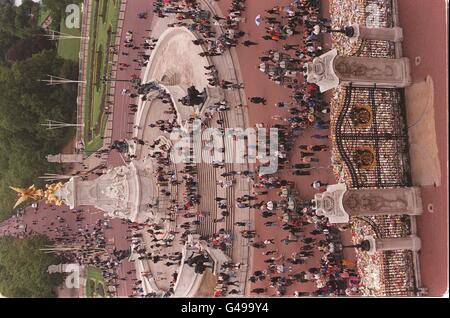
(419,19)
(426,35)
(257,84)
(122,120)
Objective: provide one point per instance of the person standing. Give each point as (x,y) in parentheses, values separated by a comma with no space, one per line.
(258,100)
(248,43)
(318,185)
(258,290)
(320,136)
(287,240)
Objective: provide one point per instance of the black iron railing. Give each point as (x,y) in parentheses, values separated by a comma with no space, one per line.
(377,13)
(385,136)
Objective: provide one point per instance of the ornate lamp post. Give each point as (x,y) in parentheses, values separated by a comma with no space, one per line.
(365,246)
(348,31)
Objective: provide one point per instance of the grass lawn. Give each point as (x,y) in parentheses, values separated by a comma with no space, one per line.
(104,21)
(69,49)
(95,285)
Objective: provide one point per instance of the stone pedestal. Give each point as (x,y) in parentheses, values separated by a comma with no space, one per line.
(65,158)
(365,71)
(330,70)
(321,72)
(412,243)
(214,95)
(329,204)
(398,201)
(361,32)
(339,203)
(123,192)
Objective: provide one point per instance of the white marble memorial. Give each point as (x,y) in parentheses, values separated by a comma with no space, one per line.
(119,193)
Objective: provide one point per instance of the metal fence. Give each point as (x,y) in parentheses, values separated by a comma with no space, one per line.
(371,138)
(372,121)
(398,273)
(378,13)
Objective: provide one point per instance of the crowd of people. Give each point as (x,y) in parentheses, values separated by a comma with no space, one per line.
(317,242)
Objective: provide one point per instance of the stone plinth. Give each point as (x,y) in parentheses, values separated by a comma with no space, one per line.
(65,158)
(321,71)
(394,34)
(329,204)
(412,243)
(398,201)
(214,95)
(339,203)
(366,71)
(330,70)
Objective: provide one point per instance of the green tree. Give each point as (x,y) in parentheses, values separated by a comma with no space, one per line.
(25,19)
(7,18)
(19,21)
(58,7)
(23,268)
(25,103)
(25,48)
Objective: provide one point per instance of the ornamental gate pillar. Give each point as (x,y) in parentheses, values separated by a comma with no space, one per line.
(412,243)
(339,203)
(361,32)
(330,70)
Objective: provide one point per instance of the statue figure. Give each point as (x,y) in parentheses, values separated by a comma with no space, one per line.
(372,202)
(114,191)
(51,194)
(26,194)
(360,70)
(194,97)
(146,88)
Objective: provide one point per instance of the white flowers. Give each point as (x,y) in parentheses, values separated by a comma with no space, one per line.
(371,278)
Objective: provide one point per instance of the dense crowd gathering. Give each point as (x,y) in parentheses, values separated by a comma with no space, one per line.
(308,109)
(157,241)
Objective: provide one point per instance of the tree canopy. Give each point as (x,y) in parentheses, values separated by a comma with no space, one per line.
(19,21)
(25,48)
(58,7)
(26,57)
(23,268)
(26,103)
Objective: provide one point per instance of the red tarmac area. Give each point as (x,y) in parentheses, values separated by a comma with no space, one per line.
(425,35)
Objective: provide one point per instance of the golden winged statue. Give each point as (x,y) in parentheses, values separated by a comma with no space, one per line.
(50,193)
(26,194)
(38,194)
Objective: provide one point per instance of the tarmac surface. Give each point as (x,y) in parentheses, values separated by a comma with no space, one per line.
(424,26)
